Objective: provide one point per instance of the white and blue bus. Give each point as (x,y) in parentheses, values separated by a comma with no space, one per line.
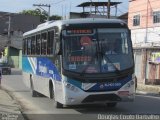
(66,60)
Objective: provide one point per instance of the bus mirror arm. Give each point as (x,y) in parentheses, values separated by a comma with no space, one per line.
(60,50)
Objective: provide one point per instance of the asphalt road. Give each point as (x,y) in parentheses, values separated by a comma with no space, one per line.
(38,108)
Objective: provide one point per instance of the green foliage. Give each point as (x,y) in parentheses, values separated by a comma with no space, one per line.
(55,17)
(43,15)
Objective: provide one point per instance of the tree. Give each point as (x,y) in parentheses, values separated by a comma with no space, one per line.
(55,17)
(43,15)
(36,12)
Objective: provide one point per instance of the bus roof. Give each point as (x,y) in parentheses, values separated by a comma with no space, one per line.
(59,23)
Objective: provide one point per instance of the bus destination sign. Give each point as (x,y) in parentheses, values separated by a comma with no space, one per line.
(80,31)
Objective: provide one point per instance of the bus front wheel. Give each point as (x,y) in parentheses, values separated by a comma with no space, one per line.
(34,93)
(52,96)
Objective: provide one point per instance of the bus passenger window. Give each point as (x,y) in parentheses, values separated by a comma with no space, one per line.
(38,44)
(50,42)
(44,44)
(33,45)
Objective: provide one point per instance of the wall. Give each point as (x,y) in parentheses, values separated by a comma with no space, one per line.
(147,31)
(13,57)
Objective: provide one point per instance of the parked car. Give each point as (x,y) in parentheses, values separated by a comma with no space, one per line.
(5,69)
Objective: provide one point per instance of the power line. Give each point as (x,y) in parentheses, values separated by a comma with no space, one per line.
(58,2)
(44,5)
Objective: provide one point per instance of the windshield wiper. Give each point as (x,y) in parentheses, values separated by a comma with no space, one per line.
(116,69)
(103,55)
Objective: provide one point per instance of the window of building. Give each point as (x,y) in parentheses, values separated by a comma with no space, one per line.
(24,47)
(136,20)
(156,17)
(29,46)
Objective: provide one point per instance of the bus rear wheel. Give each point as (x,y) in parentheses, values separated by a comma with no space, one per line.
(58,105)
(111,105)
(35,93)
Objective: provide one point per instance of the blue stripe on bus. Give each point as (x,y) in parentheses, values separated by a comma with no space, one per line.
(26,66)
(105,86)
(42,66)
(110,86)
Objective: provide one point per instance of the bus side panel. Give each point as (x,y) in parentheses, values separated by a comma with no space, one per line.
(42,70)
(26,78)
(27,71)
(41,85)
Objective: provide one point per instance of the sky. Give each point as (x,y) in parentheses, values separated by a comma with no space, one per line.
(58,7)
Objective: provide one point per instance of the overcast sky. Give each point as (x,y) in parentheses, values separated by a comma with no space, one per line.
(58,7)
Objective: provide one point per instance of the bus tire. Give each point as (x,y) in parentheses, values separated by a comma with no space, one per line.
(52,96)
(111,105)
(34,93)
(58,105)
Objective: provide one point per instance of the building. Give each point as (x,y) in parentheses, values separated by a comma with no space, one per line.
(18,22)
(144,22)
(12,27)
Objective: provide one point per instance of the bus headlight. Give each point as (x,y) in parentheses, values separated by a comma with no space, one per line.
(70,87)
(129,84)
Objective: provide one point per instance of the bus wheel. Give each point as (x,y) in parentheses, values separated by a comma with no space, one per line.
(52,96)
(58,105)
(111,105)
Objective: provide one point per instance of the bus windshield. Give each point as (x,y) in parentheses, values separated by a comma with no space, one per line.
(101,50)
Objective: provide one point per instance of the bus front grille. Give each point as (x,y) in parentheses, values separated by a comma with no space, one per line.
(101,97)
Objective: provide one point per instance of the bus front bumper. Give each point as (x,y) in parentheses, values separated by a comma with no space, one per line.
(96,97)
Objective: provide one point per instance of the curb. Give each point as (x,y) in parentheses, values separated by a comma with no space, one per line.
(149,88)
(9,106)
(147,93)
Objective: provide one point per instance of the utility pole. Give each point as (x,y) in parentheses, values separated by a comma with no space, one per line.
(44,5)
(9,37)
(146,39)
(9,27)
(108,9)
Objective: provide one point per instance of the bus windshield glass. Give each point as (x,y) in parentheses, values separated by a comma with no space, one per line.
(101,50)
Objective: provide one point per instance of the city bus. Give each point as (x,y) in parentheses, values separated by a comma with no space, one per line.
(66,61)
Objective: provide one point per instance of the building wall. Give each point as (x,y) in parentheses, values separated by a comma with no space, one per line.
(13,57)
(139,35)
(20,59)
(147,31)
(20,22)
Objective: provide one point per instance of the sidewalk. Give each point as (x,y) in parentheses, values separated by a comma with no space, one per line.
(9,109)
(153,90)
